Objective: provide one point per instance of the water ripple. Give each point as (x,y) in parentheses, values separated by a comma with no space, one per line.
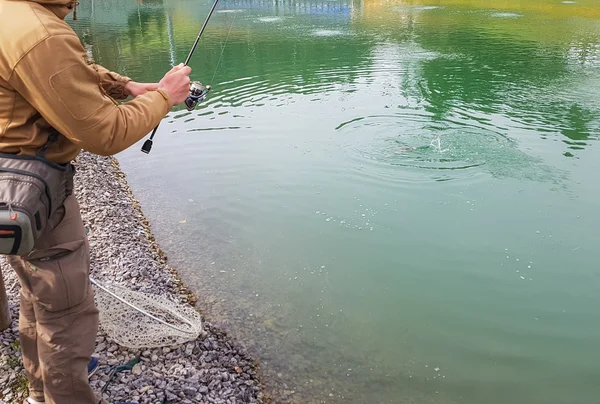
(413,139)
(251,91)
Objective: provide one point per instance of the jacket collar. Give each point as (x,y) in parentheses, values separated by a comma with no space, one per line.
(61,8)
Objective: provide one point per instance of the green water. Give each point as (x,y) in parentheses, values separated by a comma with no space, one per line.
(387,201)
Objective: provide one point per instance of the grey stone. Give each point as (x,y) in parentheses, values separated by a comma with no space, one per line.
(189,349)
(137,369)
(190,391)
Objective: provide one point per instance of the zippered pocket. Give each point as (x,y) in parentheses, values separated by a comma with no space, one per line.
(16,231)
(24,211)
(38,182)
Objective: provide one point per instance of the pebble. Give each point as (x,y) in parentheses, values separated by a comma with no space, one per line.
(189,350)
(190,391)
(137,369)
(218,373)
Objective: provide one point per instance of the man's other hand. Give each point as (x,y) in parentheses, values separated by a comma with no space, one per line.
(135,89)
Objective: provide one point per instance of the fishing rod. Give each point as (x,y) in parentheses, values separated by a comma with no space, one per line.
(198,91)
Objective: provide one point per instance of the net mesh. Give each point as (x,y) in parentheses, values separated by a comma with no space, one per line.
(153,322)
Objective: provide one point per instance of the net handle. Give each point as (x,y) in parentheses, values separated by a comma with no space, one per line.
(145,312)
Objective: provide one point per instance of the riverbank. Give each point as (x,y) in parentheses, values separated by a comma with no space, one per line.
(212,369)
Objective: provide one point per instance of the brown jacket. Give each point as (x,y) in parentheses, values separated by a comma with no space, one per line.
(46,82)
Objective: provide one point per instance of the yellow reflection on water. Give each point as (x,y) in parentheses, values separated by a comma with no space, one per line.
(556,8)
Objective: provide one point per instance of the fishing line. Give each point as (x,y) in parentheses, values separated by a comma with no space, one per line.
(223,49)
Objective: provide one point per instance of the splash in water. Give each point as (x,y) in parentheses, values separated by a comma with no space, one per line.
(270,19)
(436,144)
(327,32)
(506,15)
(382,143)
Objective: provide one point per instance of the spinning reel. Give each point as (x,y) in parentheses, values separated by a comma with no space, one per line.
(198,92)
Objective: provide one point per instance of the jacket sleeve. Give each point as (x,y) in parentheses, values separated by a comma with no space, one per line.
(56,80)
(113,83)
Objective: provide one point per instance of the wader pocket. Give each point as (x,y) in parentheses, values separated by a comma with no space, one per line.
(23,211)
(59,277)
(31,190)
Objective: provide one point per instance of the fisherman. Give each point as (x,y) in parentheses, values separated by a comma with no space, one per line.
(55,102)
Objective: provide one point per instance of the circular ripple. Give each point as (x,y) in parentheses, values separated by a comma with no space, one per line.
(415,140)
(406,145)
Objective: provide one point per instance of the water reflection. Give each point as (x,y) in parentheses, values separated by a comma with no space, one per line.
(335,8)
(353,180)
(497,69)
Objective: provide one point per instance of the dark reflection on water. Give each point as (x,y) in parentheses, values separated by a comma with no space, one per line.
(504,75)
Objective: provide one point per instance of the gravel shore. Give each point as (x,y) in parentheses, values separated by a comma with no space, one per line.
(211,369)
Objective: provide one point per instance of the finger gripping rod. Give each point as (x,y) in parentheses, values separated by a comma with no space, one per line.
(148,143)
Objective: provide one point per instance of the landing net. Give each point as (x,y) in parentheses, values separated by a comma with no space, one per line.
(144,320)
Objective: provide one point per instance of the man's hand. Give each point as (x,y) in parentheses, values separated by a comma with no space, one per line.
(176,83)
(135,89)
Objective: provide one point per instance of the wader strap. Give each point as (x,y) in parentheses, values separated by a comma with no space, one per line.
(52,137)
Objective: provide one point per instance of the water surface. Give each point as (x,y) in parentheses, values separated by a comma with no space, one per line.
(388,201)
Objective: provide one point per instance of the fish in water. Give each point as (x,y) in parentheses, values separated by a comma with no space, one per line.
(403,149)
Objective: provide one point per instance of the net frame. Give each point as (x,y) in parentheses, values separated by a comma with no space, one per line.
(144,320)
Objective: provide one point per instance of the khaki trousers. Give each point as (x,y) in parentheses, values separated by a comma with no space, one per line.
(58,319)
